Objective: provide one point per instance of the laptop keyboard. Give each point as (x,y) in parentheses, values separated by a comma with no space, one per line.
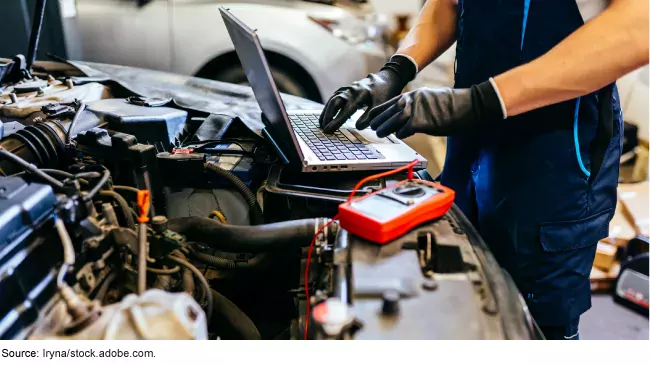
(328,147)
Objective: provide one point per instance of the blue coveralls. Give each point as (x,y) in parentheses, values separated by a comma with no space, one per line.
(540,187)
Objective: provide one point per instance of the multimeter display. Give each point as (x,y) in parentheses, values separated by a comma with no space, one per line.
(391,212)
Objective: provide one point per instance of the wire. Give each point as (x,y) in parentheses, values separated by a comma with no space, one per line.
(383,174)
(68,251)
(217,214)
(30,168)
(313,240)
(104,179)
(309,252)
(68,134)
(203,281)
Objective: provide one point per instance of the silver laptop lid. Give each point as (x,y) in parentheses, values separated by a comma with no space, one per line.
(256,68)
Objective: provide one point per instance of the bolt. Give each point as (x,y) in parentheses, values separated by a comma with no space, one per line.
(13,97)
(390,305)
(430,285)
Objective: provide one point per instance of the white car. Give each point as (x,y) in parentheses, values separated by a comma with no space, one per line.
(313,47)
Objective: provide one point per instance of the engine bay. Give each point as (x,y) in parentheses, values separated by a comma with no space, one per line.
(130,215)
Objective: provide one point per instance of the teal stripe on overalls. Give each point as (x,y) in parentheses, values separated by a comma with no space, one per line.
(523,28)
(576,139)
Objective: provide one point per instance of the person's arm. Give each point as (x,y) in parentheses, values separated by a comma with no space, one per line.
(597,54)
(433,33)
(606,48)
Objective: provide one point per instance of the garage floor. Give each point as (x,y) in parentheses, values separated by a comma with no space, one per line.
(607,320)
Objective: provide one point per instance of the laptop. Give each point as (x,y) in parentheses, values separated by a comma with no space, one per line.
(296,134)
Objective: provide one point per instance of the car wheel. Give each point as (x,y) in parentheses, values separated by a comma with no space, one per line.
(285,82)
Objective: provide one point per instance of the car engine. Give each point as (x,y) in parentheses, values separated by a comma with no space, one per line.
(131,216)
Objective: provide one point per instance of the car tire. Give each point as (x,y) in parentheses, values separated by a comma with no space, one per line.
(285,82)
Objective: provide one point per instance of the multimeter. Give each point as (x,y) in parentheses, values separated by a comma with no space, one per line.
(389,213)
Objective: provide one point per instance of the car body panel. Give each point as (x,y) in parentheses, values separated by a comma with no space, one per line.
(187,34)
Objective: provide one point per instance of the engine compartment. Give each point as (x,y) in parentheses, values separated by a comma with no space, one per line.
(226,235)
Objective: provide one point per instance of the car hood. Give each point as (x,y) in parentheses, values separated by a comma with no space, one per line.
(189,92)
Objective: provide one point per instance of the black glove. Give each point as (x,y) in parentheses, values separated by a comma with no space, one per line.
(371,91)
(438,112)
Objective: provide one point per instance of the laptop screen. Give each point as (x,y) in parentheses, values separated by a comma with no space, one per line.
(259,76)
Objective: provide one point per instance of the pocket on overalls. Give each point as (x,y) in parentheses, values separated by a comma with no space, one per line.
(561,285)
(571,235)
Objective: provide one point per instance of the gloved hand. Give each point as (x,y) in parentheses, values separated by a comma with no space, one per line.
(371,91)
(438,112)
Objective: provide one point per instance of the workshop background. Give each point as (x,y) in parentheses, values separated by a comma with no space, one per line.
(173,35)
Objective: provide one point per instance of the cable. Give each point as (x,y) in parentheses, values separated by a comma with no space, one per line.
(68,252)
(410,167)
(96,188)
(313,241)
(77,115)
(309,252)
(256,215)
(30,168)
(203,281)
(218,215)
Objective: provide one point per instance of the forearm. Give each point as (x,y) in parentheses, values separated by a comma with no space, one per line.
(433,33)
(597,54)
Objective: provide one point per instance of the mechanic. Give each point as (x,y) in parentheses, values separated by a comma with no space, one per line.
(534,130)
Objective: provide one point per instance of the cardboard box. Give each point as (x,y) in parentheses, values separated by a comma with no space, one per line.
(603,281)
(605,256)
(636,198)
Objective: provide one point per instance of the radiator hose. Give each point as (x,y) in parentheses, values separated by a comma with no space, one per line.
(223,263)
(233,318)
(249,239)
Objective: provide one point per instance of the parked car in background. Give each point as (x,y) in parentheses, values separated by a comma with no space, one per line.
(313,47)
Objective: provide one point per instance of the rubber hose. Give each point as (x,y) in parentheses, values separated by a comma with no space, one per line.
(202,279)
(223,263)
(247,239)
(256,215)
(188,282)
(163,282)
(6,155)
(171,271)
(124,206)
(102,181)
(235,317)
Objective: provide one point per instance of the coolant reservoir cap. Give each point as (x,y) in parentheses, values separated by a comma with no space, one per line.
(333,316)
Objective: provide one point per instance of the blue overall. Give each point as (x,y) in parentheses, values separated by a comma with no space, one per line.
(540,187)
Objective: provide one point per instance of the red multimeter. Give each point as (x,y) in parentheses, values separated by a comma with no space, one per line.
(389,213)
